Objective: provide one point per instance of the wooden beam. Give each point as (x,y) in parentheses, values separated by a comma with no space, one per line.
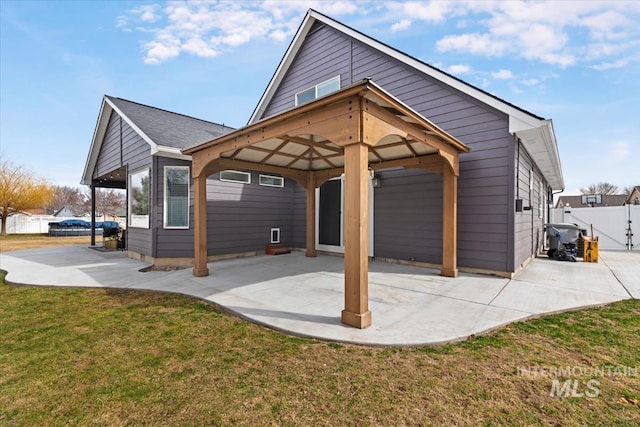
(431,162)
(275,151)
(356,258)
(311,216)
(200,226)
(405,129)
(449,222)
(333,119)
(317,144)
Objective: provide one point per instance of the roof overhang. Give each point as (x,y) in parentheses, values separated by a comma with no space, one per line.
(539,140)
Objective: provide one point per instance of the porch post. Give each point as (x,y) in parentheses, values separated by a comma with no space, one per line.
(449,222)
(93,213)
(200,226)
(356,262)
(311,215)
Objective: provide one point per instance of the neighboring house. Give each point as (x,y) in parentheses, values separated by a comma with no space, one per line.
(65,212)
(591,200)
(634,197)
(462,178)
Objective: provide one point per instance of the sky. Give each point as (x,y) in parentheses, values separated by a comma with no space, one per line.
(575,62)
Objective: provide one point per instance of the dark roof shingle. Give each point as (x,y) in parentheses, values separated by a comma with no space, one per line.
(167,128)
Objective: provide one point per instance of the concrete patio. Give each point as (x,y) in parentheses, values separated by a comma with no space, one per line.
(304,296)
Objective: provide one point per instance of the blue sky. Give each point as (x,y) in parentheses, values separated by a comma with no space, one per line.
(576,62)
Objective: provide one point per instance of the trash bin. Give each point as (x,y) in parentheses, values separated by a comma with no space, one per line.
(590,250)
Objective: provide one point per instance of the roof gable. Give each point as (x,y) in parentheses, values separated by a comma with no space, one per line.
(166,132)
(536,133)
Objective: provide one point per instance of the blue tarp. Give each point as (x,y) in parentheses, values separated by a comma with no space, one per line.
(78,223)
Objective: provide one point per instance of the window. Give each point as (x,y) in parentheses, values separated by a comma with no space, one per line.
(317,91)
(541,198)
(271,181)
(176,197)
(139,186)
(235,176)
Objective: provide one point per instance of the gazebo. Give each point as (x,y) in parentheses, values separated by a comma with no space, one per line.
(353,131)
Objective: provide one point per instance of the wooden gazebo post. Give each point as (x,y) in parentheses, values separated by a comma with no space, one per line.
(356,258)
(200,225)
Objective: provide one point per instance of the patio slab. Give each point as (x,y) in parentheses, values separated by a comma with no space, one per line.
(305,296)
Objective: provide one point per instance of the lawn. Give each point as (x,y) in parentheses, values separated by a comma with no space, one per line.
(120,357)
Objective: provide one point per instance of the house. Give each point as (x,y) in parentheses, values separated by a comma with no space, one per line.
(591,200)
(634,196)
(354,148)
(65,212)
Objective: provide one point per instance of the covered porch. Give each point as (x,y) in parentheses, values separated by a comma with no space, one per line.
(353,131)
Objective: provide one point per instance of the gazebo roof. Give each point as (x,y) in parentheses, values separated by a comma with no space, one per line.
(310,137)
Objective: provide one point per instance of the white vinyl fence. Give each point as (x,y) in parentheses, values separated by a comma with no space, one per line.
(33,224)
(613,225)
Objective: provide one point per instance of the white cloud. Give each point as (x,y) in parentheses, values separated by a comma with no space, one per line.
(530,82)
(403,24)
(475,43)
(147,12)
(611,65)
(502,75)
(459,69)
(545,31)
(557,33)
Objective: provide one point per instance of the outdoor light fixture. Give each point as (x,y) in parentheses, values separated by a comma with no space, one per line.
(376,181)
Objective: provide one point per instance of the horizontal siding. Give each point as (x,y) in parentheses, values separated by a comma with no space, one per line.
(239,217)
(136,153)
(408,216)
(408,223)
(123,146)
(324,55)
(528,226)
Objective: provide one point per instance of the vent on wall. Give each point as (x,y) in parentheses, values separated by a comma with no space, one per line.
(275,235)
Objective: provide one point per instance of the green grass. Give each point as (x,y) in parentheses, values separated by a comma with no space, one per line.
(120,357)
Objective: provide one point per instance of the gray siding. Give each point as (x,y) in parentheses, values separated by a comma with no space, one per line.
(240,216)
(123,146)
(408,216)
(529,223)
(299,216)
(485,198)
(169,243)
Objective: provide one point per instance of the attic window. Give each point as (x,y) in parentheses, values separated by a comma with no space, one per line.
(317,91)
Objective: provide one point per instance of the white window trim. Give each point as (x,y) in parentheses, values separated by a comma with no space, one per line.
(247,174)
(316,89)
(130,222)
(271,176)
(164,199)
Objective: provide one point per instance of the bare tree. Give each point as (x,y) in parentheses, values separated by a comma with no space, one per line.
(20,191)
(72,197)
(108,201)
(629,189)
(601,188)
